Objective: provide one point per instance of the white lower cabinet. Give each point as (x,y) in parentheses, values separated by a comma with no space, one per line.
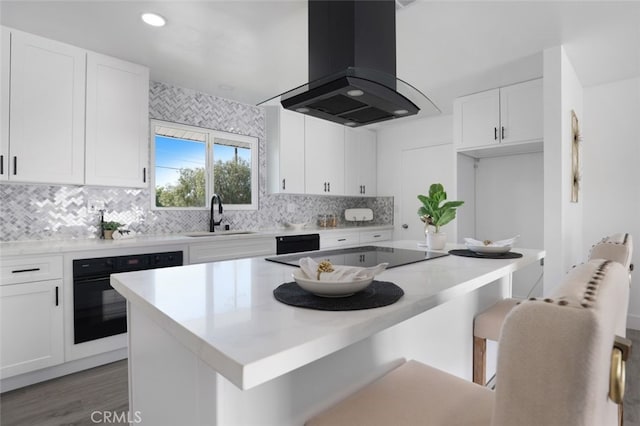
(375,236)
(31,315)
(215,250)
(31,327)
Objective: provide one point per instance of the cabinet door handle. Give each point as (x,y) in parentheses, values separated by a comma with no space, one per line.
(284,184)
(364,189)
(57,298)
(325,187)
(1,164)
(144,175)
(19,271)
(328,186)
(15,165)
(495,133)
(502,136)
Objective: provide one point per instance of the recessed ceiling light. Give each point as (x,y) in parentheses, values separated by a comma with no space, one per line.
(355,92)
(153,19)
(400,112)
(302,110)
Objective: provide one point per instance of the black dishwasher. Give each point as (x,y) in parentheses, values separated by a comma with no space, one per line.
(297,243)
(98,310)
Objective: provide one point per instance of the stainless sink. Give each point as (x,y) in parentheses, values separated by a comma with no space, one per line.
(217,233)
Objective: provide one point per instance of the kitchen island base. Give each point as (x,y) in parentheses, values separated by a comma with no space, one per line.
(170,384)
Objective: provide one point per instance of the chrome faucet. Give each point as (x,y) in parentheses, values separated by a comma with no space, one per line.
(212,222)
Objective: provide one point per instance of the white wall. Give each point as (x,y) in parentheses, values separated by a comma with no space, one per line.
(610,154)
(509,202)
(408,135)
(563,240)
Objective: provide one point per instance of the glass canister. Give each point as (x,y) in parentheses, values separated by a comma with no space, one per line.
(322,220)
(332,220)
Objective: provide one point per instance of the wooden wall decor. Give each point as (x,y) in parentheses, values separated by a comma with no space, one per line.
(575,157)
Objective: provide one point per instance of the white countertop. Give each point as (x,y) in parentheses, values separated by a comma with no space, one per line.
(35,247)
(225,312)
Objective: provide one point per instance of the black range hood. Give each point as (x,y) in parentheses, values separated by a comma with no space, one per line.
(352,66)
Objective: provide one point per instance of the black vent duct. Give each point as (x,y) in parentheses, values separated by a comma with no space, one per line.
(352,64)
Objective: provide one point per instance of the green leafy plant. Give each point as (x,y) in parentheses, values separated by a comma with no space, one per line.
(435,209)
(111,225)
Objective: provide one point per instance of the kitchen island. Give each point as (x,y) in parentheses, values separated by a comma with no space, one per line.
(210,345)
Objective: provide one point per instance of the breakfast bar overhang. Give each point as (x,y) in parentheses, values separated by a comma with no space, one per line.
(210,345)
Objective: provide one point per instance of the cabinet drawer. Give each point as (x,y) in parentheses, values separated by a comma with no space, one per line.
(329,241)
(234,249)
(373,236)
(30,269)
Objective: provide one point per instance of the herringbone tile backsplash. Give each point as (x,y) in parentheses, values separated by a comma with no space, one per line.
(37,212)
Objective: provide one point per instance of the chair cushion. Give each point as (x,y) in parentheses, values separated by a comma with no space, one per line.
(487,324)
(412,394)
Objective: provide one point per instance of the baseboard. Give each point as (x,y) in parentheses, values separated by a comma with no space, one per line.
(633,321)
(15,382)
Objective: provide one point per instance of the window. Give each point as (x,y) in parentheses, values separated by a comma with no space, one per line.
(191,164)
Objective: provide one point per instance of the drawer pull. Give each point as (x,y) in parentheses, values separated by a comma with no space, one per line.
(377,236)
(17,271)
(342,239)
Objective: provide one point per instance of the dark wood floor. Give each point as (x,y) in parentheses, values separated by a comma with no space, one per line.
(72,399)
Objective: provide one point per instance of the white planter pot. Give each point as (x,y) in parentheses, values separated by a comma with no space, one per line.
(436,241)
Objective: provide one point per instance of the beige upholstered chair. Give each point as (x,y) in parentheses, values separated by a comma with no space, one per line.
(554,363)
(487,324)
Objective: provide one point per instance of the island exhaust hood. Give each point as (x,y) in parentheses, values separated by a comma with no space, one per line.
(352,66)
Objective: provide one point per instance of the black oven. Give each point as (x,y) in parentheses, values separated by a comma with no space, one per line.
(98,310)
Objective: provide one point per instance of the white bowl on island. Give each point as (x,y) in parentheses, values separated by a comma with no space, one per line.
(330,288)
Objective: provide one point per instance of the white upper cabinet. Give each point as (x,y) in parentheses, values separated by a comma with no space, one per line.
(476,119)
(5,61)
(511,114)
(324,157)
(285,151)
(117,127)
(47,93)
(521,112)
(360,162)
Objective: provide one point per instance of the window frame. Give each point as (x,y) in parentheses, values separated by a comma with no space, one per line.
(211,136)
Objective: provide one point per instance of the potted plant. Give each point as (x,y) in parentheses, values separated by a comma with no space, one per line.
(108,228)
(437,212)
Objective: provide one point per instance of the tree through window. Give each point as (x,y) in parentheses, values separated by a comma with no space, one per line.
(192,163)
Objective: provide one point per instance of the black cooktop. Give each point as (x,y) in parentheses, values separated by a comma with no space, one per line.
(361,256)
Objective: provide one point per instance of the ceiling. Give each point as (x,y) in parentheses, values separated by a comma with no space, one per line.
(250,51)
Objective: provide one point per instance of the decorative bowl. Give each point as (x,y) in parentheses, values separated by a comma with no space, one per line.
(488,249)
(330,288)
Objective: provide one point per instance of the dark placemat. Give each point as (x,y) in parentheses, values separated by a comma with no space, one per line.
(379,293)
(469,253)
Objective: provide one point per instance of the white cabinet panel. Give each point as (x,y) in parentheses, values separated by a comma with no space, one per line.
(375,236)
(117,137)
(285,151)
(360,153)
(324,157)
(215,250)
(476,119)
(5,61)
(46,137)
(30,327)
(339,240)
(29,269)
(521,112)
(495,118)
